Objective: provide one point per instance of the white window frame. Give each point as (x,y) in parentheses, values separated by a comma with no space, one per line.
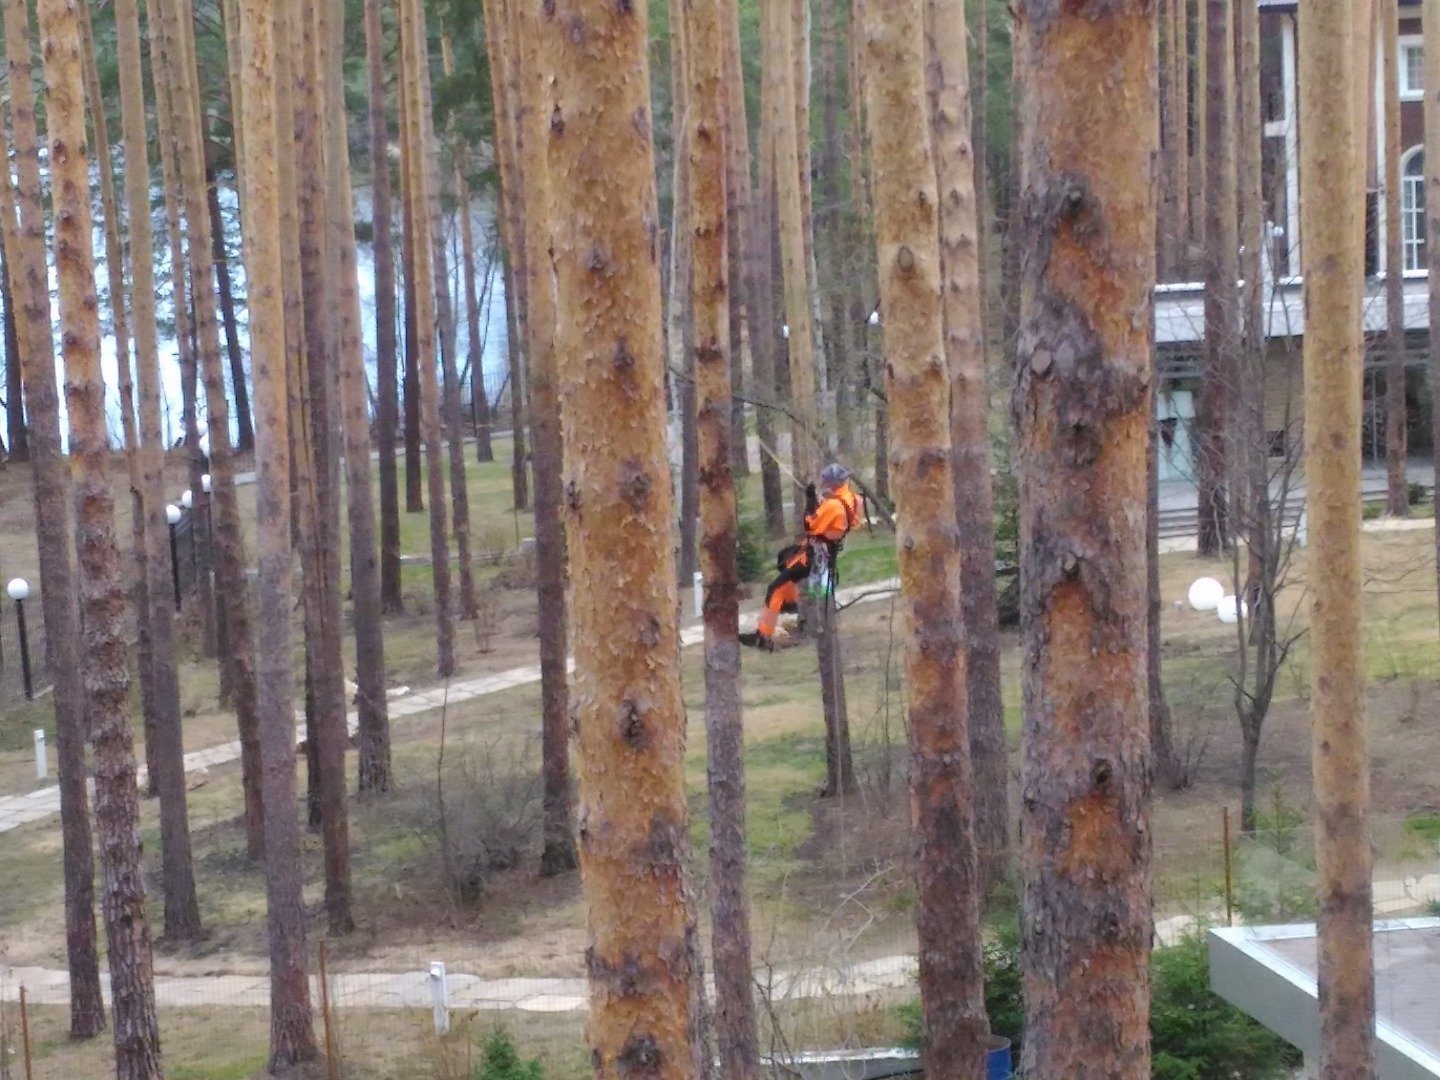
(1408,43)
(1412,246)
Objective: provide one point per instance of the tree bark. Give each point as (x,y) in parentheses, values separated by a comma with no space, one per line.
(451,415)
(414,59)
(1084,367)
(1214,413)
(387,401)
(974,499)
(764,324)
(531,125)
(202,594)
(104,661)
(908,231)
(738,209)
(292,1036)
(414,396)
(319,469)
(19,449)
(1397,500)
(501,52)
(678,328)
(1330,136)
(475,351)
(228,538)
(611,371)
(120,329)
(373,717)
(239,385)
(159,680)
(1168,770)
(708,26)
(29,299)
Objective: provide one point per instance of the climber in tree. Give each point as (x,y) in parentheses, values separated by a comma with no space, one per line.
(829,515)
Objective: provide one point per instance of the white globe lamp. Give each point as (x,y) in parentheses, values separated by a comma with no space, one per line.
(1206,594)
(18,589)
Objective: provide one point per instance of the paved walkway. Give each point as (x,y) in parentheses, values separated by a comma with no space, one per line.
(417,989)
(18,810)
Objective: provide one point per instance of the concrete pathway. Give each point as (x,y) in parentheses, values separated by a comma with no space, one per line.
(18,810)
(417,989)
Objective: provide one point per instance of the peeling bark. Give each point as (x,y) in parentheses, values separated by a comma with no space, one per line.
(1084,368)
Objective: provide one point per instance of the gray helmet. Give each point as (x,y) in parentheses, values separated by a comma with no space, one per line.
(833,475)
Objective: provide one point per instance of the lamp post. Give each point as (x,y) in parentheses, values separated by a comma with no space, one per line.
(172,518)
(187,500)
(19,591)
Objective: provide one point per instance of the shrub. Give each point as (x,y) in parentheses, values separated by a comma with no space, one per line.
(752,553)
(501,1061)
(1196,1035)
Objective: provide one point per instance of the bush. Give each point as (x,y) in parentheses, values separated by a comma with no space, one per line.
(1196,1035)
(752,552)
(501,1061)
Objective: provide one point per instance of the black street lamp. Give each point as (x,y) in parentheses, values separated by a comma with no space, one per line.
(19,591)
(172,518)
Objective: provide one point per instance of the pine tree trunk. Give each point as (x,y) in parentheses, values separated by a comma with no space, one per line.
(1252,439)
(1168,241)
(1179,75)
(475,352)
(239,386)
(1199,136)
(414,396)
(611,358)
(708,26)
(500,51)
(19,449)
(451,414)
(738,209)
(907,236)
(678,329)
(120,329)
(974,500)
(387,393)
(104,662)
(1169,772)
(373,715)
(159,679)
(413,62)
(531,124)
(1214,414)
(764,324)
(292,1037)
(1330,68)
(1084,368)
(202,592)
(228,538)
(29,298)
(1397,488)
(318,472)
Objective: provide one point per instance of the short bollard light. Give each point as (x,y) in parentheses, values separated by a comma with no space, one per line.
(19,591)
(172,518)
(42,763)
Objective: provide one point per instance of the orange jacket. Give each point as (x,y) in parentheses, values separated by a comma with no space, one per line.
(831,519)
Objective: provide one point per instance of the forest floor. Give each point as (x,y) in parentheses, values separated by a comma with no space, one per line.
(829,880)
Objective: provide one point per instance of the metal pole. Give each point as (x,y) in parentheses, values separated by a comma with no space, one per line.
(175,564)
(24,651)
(1229,889)
(332,1063)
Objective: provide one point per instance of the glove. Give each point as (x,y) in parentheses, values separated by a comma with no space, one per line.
(812,499)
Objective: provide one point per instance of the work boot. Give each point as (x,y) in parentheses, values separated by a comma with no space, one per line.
(757,641)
